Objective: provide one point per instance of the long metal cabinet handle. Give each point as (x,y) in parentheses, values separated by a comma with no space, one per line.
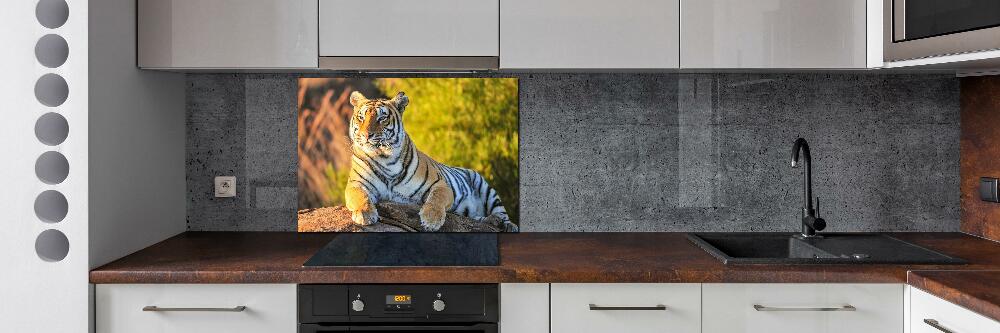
(935,324)
(159,309)
(595,307)
(848,307)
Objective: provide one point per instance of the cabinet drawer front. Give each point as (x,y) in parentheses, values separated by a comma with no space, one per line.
(622,307)
(947,315)
(268,308)
(524,308)
(405,28)
(820,308)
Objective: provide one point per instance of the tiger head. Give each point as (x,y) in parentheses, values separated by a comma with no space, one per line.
(377,124)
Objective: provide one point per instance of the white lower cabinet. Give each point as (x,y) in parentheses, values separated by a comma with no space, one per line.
(816,308)
(626,307)
(930,314)
(524,307)
(196,308)
(569,307)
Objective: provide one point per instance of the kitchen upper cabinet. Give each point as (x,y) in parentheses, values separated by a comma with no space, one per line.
(179,34)
(196,308)
(930,314)
(817,308)
(589,34)
(406,28)
(626,307)
(775,34)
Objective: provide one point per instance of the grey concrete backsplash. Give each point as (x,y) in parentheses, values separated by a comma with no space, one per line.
(639,152)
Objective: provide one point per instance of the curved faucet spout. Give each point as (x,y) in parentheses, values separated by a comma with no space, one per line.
(800,144)
(810,222)
(807,188)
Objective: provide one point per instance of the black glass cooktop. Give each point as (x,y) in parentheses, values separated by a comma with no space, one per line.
(409,249)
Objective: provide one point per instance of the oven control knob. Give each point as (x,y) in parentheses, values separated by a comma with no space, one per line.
(438,305)
(358,305)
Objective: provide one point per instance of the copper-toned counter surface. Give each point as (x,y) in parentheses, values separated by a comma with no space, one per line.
(277,257)
(979,146)
(978,291)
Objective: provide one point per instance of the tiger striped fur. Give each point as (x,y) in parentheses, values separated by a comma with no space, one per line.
(386,166)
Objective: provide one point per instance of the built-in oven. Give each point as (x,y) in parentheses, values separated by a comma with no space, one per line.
(384,308)
(928,28)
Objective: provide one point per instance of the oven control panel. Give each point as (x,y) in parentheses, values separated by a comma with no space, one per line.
(398,303)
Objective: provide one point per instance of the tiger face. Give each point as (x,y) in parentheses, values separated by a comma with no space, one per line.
(377,124)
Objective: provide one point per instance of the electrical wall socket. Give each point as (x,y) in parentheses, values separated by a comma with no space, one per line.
(225,187)
(988,189)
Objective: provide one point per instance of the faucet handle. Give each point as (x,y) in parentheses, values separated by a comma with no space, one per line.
(818,224)
(817,206)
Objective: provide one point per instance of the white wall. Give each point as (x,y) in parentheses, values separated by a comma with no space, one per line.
(38,295)
(137,188)
(126,135)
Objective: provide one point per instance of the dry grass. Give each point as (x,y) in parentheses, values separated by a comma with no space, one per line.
(324,147)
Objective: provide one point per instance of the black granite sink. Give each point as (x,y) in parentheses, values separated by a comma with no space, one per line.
(836,248)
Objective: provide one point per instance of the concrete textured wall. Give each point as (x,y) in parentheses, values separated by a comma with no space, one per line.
(640,152)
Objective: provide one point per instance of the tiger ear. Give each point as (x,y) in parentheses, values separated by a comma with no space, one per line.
(357,98)
(400,101)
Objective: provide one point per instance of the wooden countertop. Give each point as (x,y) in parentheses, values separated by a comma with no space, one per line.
(277,257)
(978,291)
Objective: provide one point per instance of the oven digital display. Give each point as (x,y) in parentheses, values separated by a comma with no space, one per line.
(398,299)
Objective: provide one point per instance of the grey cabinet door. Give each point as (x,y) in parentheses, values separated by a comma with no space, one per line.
(407,28)
(773,34)
(228,33)
(589,34)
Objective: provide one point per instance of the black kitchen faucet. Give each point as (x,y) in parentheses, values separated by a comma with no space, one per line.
(810,221)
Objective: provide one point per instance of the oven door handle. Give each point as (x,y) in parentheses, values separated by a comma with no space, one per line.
(481,327)
(316,328)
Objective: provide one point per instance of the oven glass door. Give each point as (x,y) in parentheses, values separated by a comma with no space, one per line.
(916,19)
(475,328)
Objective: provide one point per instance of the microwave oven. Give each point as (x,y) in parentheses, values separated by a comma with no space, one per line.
(915,29)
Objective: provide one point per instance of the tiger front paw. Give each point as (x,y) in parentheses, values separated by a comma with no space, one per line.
(499,222)
(368,217)
(431,220)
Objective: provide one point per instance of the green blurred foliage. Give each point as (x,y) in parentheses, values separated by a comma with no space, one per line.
(466,122)
(337,181)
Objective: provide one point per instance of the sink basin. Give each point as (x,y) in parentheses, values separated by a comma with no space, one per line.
(785,248)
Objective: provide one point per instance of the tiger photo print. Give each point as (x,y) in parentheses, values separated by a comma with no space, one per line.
(387,167)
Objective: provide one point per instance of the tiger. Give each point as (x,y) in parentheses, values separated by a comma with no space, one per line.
(387,166)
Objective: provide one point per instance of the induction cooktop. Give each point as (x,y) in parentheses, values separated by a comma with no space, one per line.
(409,249)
